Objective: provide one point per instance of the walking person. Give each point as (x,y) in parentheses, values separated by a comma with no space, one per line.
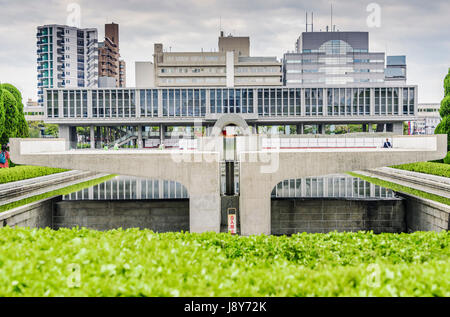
(4,157)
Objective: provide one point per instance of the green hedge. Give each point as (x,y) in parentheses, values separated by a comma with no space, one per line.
(141,263)
(438,169)
(19,173)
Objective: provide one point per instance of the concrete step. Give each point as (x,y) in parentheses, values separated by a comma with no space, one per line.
(415,182)
(13,189)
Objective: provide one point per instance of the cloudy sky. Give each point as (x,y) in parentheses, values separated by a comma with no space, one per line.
(416,28)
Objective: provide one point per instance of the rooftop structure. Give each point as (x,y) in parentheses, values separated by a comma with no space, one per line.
(339,58)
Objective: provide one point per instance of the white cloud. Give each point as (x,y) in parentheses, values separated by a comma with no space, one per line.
(408,27)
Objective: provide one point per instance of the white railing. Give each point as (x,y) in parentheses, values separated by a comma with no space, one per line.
(306,143)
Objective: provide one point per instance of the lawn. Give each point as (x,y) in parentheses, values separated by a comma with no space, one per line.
(19,173)
(439,169)
(81,262)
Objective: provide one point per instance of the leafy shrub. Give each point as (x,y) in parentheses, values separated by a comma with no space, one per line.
(438,169)
(25,172)
(447,158)
(81,262)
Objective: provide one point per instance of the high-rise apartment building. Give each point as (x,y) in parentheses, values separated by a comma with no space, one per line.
(110,64)
(339,58)
(67,57)
(229,67)
(122,73)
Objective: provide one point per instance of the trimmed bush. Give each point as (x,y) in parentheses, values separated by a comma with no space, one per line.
(427,168)
(43,262)
(19,173)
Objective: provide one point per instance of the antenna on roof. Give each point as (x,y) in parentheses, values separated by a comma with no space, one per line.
(306,21)
(331,25)
(312,23)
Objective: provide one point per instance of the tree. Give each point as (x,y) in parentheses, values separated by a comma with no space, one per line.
(11,116)
(14,123)
(2,114)
(444,111)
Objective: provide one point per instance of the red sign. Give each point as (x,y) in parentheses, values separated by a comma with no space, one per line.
(231,224)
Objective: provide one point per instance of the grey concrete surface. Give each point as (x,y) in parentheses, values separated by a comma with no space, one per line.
(291,216)
(159,216)
(35,215)
(260,170)
(426,215)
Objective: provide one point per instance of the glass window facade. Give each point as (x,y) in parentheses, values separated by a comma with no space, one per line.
(264,102)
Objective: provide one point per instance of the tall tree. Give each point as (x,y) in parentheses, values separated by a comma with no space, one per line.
(15,124)
(444,111)
(11,116)
(2,114)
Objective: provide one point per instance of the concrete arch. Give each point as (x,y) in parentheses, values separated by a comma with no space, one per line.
(230,119)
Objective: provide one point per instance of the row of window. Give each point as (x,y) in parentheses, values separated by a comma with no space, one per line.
(329,187)
(120,103)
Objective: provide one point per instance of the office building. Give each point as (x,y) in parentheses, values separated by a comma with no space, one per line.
(427,119)
(188,89)
(231,66)
(32,111)
(67,57)
(395,68)
(339,58)
(142,109)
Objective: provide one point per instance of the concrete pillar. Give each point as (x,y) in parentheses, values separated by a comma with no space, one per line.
(98,143)
(321,128)
(255,129)
(139,140)
(162,131)
(370,128)
(300,128)
(64,133)
(92,136)
(397,128)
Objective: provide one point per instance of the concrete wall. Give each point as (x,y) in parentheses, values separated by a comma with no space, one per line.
(159,216)
(290,216)
(34,215)
(197,171)
(426,215)
(144,74)
(257,179)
